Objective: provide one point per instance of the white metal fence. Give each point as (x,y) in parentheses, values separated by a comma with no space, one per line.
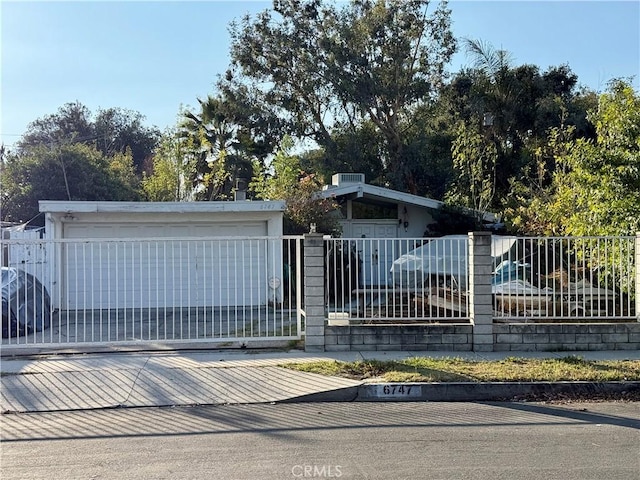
(233,289)
(588,278)
(396,279)
(537,279)
(169,289)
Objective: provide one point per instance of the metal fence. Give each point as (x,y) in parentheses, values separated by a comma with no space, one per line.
(566,278)
(226,289)
(153,290)
(532,279)
(397,279)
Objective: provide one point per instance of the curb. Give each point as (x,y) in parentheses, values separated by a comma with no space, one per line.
(466,391)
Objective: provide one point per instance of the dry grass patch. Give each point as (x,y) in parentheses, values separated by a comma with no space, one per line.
(512,369)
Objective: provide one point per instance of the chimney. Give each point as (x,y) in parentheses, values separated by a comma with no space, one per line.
(240,192)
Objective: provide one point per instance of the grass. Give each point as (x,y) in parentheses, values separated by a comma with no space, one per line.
(511,369)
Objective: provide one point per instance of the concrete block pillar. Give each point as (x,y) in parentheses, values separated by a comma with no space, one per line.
(638,276)
(480,297)
(314,294)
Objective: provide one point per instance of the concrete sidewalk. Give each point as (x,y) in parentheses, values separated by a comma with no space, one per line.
(90,381)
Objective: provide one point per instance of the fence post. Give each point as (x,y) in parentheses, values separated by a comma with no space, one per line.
(314,295)
(480,297)
(637,264)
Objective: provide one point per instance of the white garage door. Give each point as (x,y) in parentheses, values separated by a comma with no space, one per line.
(147,269)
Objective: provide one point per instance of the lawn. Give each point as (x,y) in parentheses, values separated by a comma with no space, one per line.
(512,369)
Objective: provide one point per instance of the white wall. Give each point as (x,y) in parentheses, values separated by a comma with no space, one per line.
(94,220)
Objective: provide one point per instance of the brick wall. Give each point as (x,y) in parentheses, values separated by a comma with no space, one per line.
(507,337)
(566,337)
(399,337)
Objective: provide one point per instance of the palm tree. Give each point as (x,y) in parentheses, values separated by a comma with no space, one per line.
(212,134)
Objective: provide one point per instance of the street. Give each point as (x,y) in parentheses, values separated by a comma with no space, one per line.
(511,441)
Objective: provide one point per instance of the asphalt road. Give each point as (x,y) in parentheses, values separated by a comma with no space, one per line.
(510,441)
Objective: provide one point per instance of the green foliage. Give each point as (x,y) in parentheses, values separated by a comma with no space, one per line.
(597,188)
(357,150)
(528,203)
(286,181)
(71,123)
(587,186)
(222,150)
(118,130)
(121,166)
(517,105)
(328,71)
(170,170)
(474,158)
(70,155)
(112,131)
(69,172)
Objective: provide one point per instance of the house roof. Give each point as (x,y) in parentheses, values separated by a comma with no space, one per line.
(362,190)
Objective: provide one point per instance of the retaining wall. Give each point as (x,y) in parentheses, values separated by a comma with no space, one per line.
(451,338)
(506,337)
(566,337)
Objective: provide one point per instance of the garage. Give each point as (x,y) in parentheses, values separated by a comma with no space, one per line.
(128,255)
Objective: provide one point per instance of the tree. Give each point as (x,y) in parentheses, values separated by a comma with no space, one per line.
(328,70)
(358,149)
(475,158)
(111,132)
(595,186)
(222,149)
(598,187)
(70,124)
(528,205)
(118,130)
(170,171)
(286,181)
(514,108)
(67,172)
(69,155)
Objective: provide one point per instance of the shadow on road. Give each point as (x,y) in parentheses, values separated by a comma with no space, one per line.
(281,420)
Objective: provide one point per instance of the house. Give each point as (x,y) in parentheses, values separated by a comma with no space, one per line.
(158,254)
(378,213)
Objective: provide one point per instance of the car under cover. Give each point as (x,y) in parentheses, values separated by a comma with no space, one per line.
(26,305)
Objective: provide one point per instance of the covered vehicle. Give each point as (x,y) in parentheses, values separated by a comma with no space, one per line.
(26,306)
(443,261)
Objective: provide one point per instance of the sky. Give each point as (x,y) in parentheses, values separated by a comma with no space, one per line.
(155,57)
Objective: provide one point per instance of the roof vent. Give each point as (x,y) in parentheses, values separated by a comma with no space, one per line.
(347,178)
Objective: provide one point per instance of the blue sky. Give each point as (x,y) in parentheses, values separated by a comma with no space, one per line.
(153,57)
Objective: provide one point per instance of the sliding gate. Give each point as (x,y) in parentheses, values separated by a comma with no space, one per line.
(115,291)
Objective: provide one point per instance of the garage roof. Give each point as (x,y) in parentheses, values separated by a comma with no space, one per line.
(58,206)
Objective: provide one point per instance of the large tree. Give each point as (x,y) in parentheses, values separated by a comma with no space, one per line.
(597,188)
(328,70)
(67,172)
(508,110)
(118,129)
(221,146)
(72,155)
(111,131)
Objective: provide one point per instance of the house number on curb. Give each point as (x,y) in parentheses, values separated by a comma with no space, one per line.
(398,390)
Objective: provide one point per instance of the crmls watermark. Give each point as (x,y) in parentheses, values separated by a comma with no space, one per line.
(316,471)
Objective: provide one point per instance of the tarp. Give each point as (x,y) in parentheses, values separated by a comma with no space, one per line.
(26,306)
(444,256)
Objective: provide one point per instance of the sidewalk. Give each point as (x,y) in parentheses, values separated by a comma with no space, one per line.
(91,381)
